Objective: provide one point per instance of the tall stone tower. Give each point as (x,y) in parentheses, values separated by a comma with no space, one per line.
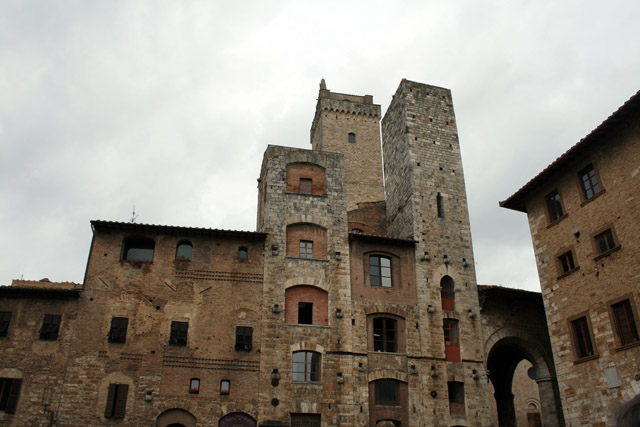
(350,124)
(426,200)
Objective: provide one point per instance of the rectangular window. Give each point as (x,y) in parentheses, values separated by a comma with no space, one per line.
(118,330)
(456,398)
(305,185)
(9,394)
(387,392)
(178,334)
(306,366)
(244,337)
(589,181)
(5,319)
(604,241)
(306,249)
(582,338)
(305,313)
(554,206)
(451,340)
(50,327)
(306,420)
(194,386)
(380,271)
(625,322)
(384,334)
(116,401)
(566,262)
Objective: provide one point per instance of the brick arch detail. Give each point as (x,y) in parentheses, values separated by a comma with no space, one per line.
(386,309)
(306,281)
(381,374)
(306,219)
(307,346)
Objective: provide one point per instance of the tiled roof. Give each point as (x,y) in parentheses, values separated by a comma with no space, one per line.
(383,237)
(173,229)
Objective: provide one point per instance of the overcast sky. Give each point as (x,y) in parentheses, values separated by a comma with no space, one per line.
(170,105)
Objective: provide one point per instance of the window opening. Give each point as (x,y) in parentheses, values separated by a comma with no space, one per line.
(566,261)
(456,398)
(447,293)
(305,313)
(194,386)
(118,330)
(225,386)
(589,181)
(184,250)
(384,334)
(116,401)
(554,206)
(451,340)
(50,327)
(244,337)
(306,249)
(243,254)
(387,392)
(352,137)
(5,319)
(305,185)
(138,250)
(625,323)
(584,346)
(380,271)
(178,336)
(605,241)
(9,394)
(440,206)
(306,366)
(306,420)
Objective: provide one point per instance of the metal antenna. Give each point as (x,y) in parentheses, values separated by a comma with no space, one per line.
(133,214)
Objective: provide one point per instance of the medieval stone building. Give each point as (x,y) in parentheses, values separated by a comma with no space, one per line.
(354,303)
(583,212)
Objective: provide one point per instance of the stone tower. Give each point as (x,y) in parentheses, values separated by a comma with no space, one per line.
(350,124)
(426,200)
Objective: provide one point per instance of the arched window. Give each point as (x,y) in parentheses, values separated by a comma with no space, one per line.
(352,137)
(447,293)
(184,250)
(138,249)
(243,254)
(306,366)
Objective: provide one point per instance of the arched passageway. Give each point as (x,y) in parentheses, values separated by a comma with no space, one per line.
(237,419)
(175,418)
(515,329)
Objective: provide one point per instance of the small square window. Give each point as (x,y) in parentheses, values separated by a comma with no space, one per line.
(50,327)
(225,387)
(566,262)
(554,206)
(178,336)
(118,331)
(352,137)
(305,313)
(589,181)
(243,254)
(244,337)
(605,241)
(305,185)
(306,249)
(582,338)
(194,386)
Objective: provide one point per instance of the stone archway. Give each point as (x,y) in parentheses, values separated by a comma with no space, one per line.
(176,417)
(515,329)
(237,419)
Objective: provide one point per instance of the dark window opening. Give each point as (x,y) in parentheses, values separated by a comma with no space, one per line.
(306,420)
(440,206)
(456,398)
(116,401)
(385,334)
(554,206)
(305,313)
(243,254)
(138,250)
(352,137)
(50,327)
(244,337)
(447,293)
(605,241)
(387,392)
(9,394)
(380,271)
(5,319)
(306,366)
(566,262)
(305,185)
(589,181)
(183,251)
(306,249)
(225,386)
(625,323)
(178,336)
(584,346)
(118,330)
(194,386)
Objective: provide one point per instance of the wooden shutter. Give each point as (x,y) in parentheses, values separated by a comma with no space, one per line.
(121,401)
(14,393)
(111,397)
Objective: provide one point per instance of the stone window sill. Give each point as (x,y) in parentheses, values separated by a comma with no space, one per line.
(628,346)
(592,198)
(568,273)
(607,253)
(586,359)
(553,223)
